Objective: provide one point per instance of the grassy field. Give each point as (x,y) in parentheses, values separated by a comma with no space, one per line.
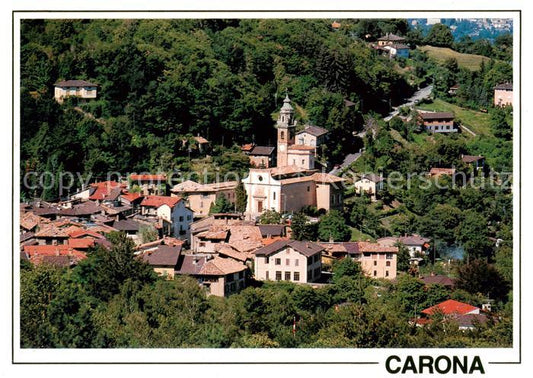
(360,236)
(469,61)
(478,122)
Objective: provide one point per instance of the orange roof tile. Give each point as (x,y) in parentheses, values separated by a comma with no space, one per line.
(82,243)
(35,252)
(131,196)
(157,201)
(450,307)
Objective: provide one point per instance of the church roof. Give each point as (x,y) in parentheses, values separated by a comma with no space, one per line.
(287,104)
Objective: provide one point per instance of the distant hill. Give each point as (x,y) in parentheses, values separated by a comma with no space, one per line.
(469,61)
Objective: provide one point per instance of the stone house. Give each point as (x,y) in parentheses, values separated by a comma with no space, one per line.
(503,94)
(438,122)
(74,88)
(200,197)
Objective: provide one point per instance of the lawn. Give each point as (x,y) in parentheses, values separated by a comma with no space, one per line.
(468,61)
(476,121)
(360,236)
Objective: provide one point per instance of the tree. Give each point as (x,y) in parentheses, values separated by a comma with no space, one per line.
(346,268)
(499,125)
(479,277)
(301,228)
(240,198)
(105,270)
(403,257)
(439,35)
(473,234)
(270,217)
(332,226)
(148,233)
(221,205)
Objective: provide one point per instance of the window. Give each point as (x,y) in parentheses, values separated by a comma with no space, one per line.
(303,161)
(287,276)
(296,262)
(278,275)
(366,254)
(230,278)
(201,204)
(308,188)
(296,276)
(287,262)
(386,273)
(278,261)
(259,206)
(267,275)
(387,263)
(375,263)
(274,196)
(188,217)
(389,256)
(241,275)
(267,260)
(375,273)
(293,161)
(202,244)
(282,134)
(181,218)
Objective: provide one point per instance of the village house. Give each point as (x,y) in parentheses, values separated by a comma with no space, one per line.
(208,232)
(200,197)
(289,260)
(369,184)
(438,122)
(262,156)
(476,162)
(453,90)
(416,244)
(503,94)
(438,279)
(176,216)
(466,316)
(149,184)
(220,277)
(312,136)
(201,143)
(377,261)
(163,259)
(438,172)
(57,255)
(130,227)
(390,39)
(74,88)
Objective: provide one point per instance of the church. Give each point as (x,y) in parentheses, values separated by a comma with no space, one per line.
(294,183)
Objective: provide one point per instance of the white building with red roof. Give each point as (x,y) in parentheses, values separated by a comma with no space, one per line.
(175,216)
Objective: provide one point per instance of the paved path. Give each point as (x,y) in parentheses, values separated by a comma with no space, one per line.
(467,129)
(413,100)
(349,159)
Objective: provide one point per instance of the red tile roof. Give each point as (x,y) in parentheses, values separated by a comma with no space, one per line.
(79,233)
(148,177)
(450,307)
(131,197)
(36,252)
(437,115)
(106,190)
(82,243)
(157,201)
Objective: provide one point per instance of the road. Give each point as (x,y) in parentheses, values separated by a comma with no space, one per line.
(413,100)
(349,159)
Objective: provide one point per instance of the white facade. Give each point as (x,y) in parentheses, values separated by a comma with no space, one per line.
(263,192)
(288,265)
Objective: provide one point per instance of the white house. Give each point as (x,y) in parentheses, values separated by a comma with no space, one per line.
(176,215)
(289,260)
(74,88)
(370,184)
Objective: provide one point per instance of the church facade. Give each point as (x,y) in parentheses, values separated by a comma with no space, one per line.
(294,183)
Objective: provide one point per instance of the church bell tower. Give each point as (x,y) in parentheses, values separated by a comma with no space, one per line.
(286,130)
